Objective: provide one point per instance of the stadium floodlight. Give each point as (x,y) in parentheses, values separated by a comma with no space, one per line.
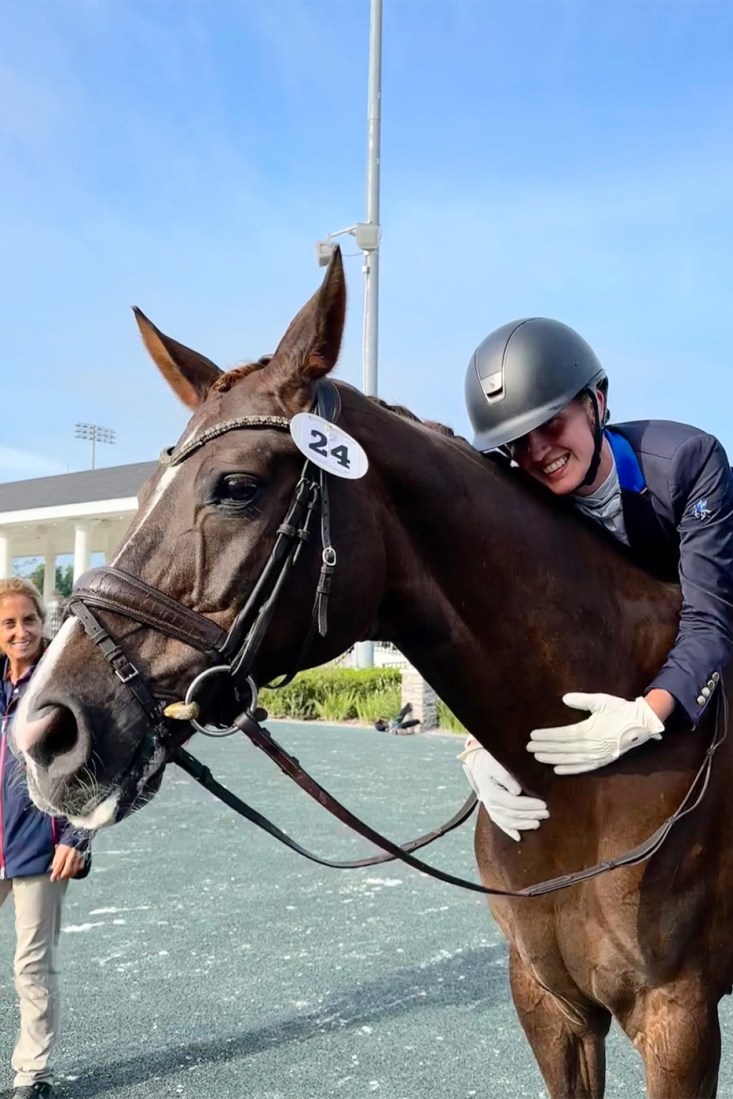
(325,248)
(94,434)
(324,251)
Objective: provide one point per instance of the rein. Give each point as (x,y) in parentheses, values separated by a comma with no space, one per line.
(235,650)
(204,777)
(253,729)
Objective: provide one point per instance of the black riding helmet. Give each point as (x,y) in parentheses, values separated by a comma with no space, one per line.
(523,374)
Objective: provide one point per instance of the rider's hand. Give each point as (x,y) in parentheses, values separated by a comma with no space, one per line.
(614,727)
(500,793)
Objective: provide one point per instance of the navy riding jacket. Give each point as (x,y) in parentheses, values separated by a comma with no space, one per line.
(28,837)
(677,497)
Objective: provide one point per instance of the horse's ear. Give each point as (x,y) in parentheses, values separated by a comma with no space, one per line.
(310,347)
(189,374)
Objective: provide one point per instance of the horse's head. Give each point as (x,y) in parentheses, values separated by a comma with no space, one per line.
(208,575)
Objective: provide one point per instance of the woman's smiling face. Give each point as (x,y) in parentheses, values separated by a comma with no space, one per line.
(559,452)
(21,630)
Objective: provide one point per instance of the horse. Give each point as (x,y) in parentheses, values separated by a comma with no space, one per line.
(502,599)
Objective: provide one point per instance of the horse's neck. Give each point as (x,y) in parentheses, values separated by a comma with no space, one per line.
(504,604)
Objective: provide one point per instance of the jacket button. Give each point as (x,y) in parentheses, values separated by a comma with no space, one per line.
(700,700)
(705,692)
(716,676)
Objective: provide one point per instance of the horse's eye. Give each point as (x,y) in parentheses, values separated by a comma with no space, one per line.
(237,488)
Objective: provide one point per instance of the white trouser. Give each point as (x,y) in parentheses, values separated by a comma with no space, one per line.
(37,901)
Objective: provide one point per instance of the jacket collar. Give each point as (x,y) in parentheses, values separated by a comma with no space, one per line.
(627,464)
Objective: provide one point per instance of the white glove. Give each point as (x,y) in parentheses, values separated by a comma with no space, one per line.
(614,727)
(501,794)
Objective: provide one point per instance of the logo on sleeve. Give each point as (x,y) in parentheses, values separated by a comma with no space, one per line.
(701,510)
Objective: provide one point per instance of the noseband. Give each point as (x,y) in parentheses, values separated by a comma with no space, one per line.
(233,652)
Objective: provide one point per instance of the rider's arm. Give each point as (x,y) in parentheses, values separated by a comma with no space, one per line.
(701,488)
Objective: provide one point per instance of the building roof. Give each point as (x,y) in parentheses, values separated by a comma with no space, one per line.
(110,483)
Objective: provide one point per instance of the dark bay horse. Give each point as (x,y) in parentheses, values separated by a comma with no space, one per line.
(504,602)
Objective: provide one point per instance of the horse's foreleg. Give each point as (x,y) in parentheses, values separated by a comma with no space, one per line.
(568,1042)
(678,1035)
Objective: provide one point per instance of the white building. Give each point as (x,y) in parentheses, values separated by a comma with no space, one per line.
(79,513)
(88,512)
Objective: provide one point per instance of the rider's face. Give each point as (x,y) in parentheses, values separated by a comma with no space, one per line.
(559,452)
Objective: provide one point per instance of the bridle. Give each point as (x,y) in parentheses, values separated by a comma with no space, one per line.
(235,650)
(233,653)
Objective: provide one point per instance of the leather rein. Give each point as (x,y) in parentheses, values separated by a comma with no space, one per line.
(233,652)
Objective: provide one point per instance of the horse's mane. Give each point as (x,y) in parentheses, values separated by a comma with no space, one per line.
(225,382)
(499,464)
(406,414)
(494,460)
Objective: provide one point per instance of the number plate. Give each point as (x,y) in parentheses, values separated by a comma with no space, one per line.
(328,446)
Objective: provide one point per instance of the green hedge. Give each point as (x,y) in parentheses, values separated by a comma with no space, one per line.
(448,720)
(336,694)
(345,694)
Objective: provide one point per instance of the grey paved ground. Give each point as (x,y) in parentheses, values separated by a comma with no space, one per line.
(202,960)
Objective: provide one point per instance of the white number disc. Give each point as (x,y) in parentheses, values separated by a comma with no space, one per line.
(328,446)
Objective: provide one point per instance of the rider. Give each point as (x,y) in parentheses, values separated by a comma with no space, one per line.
(535,389)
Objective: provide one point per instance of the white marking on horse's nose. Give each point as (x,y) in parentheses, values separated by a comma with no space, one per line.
(160,489)
(48,663)
(27,733)
(100,817)
(32,771)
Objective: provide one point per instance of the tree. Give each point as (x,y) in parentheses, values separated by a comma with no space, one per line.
(64,578)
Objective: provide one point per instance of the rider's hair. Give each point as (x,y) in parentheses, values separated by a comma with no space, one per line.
(18,585)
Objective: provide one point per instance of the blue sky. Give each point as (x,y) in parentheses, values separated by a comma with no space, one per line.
(572,160)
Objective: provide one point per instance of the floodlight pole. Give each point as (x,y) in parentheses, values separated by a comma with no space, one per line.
(371,254)
(367,236)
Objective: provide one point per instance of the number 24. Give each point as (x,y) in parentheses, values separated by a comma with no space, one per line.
(319,446)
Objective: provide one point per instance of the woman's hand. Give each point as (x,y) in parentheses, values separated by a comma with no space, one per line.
(67,863)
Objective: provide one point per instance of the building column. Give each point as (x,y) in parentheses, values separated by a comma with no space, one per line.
(82,553)
(49,574)
(421,696)
(108,539)
(6,559)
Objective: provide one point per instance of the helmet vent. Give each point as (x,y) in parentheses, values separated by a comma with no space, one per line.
(493,386)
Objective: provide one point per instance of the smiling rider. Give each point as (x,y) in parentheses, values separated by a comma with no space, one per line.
(536,390)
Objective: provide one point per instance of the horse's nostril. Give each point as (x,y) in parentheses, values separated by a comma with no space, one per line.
(57,738)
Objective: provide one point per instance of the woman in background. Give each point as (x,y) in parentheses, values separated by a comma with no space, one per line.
(38,853)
